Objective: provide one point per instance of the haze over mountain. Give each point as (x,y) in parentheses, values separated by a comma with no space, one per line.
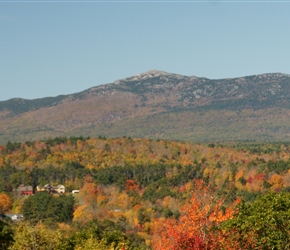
(158,104)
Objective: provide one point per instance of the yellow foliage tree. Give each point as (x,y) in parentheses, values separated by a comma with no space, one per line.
(276,181)
(28,237)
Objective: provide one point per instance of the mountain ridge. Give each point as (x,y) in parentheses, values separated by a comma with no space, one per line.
(148,104)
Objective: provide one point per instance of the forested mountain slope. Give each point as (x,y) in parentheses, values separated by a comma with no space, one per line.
(158,104)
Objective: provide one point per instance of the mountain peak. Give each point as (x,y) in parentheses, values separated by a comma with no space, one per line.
(147,75)
(154,72)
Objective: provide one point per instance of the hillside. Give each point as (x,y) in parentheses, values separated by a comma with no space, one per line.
(145,194)
(158,104)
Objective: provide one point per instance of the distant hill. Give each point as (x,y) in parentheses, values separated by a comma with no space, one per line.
(157,104)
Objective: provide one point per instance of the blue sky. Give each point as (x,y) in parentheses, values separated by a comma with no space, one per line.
(49,48)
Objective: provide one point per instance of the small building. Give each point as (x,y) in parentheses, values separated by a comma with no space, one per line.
(14,217)
(60,189)
(25,190)
(49,188)
(40,189)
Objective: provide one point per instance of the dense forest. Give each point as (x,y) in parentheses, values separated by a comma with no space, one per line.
(145,194)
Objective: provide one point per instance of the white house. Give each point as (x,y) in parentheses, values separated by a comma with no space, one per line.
(60,189)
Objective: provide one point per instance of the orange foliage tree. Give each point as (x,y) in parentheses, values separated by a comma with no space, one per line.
(198,225)
(5,203)
(131,185)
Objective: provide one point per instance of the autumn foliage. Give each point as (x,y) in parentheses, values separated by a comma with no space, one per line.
(198,225)
(5,203)
(168,195)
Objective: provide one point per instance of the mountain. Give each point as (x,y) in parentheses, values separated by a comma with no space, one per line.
(158,104)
